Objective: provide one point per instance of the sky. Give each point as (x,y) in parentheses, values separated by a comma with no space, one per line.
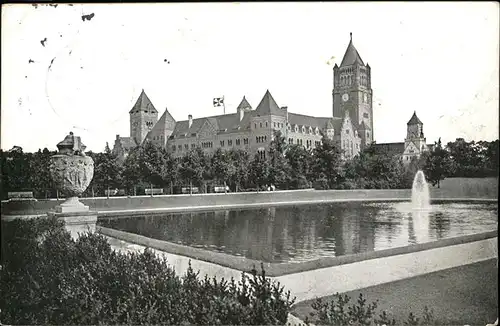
(438,59)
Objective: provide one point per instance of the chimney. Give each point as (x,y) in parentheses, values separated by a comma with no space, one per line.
(117,137)
(241,113)
(286,109)
(190,120)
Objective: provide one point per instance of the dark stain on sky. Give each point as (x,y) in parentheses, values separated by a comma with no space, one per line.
(31,61)
(51,62)
(43,41)
(165,60)
(87,17)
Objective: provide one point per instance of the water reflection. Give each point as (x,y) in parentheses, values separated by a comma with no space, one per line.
(306,232)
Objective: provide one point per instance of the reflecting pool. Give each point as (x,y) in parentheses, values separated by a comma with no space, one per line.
(308,232)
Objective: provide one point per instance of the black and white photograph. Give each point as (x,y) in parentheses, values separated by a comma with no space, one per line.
(249,163)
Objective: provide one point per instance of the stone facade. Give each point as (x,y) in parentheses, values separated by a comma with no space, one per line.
(351,124)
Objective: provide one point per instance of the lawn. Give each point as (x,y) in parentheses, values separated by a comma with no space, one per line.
(466,295)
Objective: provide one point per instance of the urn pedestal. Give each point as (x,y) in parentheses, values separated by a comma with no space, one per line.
(72,171)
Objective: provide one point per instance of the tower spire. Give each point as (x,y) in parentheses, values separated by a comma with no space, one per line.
(350,34)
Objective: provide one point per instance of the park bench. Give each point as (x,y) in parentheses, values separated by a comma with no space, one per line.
(220,189)
(20,195)
(185,190)
(154,191)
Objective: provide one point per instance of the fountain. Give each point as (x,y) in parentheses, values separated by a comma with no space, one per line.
(420,192)
(420,208)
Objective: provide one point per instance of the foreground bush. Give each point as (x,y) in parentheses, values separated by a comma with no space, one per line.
(338,312)
(47,278)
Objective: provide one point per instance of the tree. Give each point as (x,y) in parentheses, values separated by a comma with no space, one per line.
(16,170)
(107,170)
(376,169)
(40,171)
(154,164)
(279,171)
(131,173)
(327,162)
(465,158)
(192,166)
(491,157)
(259,171)
(240,161)
(222,166)
(299,161)
(437,164)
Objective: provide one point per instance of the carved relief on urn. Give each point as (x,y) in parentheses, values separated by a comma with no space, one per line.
(71,170)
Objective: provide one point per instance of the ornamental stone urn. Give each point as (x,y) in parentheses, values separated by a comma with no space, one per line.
(71,171)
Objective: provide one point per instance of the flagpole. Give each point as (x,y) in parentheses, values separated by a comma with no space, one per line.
(223,104)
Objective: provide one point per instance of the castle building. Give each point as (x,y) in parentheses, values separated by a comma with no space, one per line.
(350,126)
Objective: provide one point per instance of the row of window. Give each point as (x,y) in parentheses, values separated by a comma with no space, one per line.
(261,139)
(210,144)
(275,125)
(304,129)
(158,137)
(350,79)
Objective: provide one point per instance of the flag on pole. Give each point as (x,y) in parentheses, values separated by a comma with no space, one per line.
(219,101)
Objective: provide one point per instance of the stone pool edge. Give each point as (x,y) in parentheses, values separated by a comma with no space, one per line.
(132,212)
(283,269)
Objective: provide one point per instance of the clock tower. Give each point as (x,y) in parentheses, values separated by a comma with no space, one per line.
(352,92)
(143,117)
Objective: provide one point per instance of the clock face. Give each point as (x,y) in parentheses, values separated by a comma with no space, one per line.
(345,97)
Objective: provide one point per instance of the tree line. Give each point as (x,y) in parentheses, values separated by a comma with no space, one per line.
(286,167)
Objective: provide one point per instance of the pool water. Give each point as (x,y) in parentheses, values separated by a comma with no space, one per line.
(307,232)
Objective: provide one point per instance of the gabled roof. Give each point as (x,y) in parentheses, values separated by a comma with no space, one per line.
(226,123)
(244,105)
(127,143)
(305,120)
(143,103)
(414,120)
(351,56)
(268,106)
(162,124)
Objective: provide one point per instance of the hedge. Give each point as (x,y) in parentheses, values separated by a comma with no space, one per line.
(49,278)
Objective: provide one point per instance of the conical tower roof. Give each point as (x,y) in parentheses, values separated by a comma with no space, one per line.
(244,105)
(351,56)
(268,106)
(414,119)
(143,103)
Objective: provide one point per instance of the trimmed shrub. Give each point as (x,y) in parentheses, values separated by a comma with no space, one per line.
(338,312)
(48,278)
